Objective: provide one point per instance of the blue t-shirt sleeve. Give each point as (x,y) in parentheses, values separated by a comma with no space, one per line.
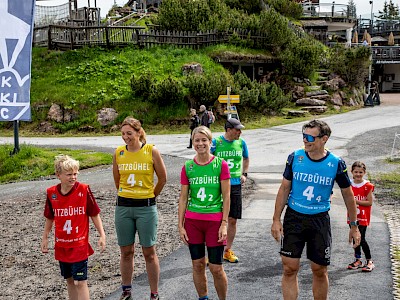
(245,151)
(213,146)
(342,177)
(288,173)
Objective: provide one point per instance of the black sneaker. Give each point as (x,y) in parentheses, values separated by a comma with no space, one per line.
(126,296)
(154,296)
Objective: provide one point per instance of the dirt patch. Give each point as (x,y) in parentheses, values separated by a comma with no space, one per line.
(26,273)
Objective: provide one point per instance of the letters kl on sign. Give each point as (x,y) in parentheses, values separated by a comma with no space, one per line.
(16,26)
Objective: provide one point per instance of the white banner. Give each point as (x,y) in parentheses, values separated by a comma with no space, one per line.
(16,27)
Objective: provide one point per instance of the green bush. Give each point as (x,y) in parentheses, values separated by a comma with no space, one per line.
(276,27)
(249,6)
(302,57)
(141,85)
(166,92)
(289,8)
(350,63)
(267,97)
(205,88)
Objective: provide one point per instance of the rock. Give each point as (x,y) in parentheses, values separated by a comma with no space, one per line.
(60,115)
(310,102)
(298,92)
(315,109)
(296,113)
(106,116)
(336,99)
(86,128)
(55,113)
(47,127)
(335,84)
(326,97)
(316,93)
(114,128)
(195,68)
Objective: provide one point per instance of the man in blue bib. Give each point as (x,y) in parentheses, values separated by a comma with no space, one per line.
(306,189)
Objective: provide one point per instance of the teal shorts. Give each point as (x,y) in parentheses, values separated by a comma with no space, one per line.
(129,220)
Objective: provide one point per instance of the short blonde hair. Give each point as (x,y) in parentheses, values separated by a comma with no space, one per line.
(65,163)
(204,130)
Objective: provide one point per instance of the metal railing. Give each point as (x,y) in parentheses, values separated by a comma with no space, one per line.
(382,54)
(328,10)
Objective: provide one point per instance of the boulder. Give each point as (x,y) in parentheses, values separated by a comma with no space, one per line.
(336,99)
(195,68)
(310,102)
(55,113)
(316,93)
(315,109)
(60,115)
(326,97)
(106,116)
(296,113)
(298,92)
(46,127)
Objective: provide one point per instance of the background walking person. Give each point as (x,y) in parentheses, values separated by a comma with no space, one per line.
(233,149)
(194,122)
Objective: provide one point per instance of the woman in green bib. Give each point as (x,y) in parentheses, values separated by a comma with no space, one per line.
(203,212)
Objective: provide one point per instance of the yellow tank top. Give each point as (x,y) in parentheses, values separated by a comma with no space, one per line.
(136,172)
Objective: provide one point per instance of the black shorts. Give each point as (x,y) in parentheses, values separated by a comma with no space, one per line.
(315,230)
(236,202)
(78,270)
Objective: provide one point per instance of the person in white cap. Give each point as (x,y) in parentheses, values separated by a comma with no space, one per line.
(233,149)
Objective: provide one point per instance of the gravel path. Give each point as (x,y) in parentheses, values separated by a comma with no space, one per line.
(25,271)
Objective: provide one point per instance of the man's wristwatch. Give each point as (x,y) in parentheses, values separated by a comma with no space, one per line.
(353,223)
(245,174)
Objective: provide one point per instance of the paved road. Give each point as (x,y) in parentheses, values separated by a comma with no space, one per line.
(258,274)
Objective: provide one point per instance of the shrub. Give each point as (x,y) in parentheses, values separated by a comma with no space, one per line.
(266,97)
(288,8)
(350,63)
(302,57)
(276,27)
(166,92)
(205,88)
(141,85)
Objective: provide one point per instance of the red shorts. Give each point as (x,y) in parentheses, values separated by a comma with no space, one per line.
(200,232)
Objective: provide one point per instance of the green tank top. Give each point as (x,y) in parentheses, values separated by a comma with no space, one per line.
(204,186)
(232,153)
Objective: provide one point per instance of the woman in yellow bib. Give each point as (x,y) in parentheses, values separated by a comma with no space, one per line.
(134,165)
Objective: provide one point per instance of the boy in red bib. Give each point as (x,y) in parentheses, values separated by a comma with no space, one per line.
(69,205)
(363,195)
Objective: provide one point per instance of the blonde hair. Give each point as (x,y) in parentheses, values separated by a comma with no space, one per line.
(65,163)
(193,111)
(136,125)
(204,130)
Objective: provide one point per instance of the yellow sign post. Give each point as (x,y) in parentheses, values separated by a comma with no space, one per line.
(228,99)
(224,99)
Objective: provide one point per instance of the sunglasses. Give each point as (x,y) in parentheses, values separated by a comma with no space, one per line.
(310,138)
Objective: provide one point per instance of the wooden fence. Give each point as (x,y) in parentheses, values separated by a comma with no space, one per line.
(67,37)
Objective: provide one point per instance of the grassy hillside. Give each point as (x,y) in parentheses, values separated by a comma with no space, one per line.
(87,80)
